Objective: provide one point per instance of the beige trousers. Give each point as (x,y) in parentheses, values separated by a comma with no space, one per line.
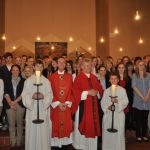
(15,120)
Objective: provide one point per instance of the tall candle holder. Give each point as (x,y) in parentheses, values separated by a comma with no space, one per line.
(38,120)
(112,130)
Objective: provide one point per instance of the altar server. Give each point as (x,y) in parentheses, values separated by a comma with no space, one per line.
(114,141)
(37,136)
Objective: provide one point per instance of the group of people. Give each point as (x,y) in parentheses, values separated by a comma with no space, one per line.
(76,101)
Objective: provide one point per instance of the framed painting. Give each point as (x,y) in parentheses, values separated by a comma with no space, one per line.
(51,49)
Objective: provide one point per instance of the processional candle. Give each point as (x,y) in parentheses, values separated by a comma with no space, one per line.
(37,74)
(113,90)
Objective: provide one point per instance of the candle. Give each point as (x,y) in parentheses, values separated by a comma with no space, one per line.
(113,90)
(37,74)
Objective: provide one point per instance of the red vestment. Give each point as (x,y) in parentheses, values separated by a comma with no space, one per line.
(89,124)
(61,120)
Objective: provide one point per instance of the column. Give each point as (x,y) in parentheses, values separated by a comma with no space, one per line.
(2,25)
(102,27)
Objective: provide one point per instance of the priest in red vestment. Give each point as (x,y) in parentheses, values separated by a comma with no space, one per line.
(85,107)
(61,83)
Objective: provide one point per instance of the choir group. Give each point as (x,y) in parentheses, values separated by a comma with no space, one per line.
(86,104)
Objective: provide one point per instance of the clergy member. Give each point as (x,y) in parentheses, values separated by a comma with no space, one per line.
(37,136)
(85,107)
(61,106)
(114,141)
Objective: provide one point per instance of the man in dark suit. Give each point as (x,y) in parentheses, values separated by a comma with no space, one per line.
(5,75)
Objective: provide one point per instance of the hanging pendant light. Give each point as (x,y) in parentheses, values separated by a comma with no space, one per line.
(116,31)
(3,37)
(140,41)
(102,40)
(137,16)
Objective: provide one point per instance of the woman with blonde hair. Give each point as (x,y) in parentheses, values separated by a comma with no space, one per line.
(141,101)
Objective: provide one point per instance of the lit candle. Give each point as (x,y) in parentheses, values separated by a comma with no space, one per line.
(37,74)
(113,90)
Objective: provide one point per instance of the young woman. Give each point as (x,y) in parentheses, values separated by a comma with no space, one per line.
(69,67)
(94,65)
(141,102)
(28,71)
(99,62)
(125,59)
(125,82)
(131,115)
(15,110)
(54,67)
(102,77)
(105,84)
(129,69)
(109,68)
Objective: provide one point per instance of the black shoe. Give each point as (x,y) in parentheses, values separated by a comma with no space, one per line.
(145,139)
(138,139)
(4,128)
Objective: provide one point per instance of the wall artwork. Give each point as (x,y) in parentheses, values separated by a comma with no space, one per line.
(52,49)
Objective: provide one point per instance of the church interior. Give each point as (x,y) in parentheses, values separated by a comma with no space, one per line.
(102,28)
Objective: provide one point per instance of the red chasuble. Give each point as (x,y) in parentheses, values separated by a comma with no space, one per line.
(61,120)
(89,121)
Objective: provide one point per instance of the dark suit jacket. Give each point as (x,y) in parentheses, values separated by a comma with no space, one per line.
(108,84)
(5,74)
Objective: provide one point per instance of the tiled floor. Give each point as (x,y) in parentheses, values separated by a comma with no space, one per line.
(131,144)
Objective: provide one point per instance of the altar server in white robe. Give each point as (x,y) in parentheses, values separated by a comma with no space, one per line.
(37,136)
(114,141)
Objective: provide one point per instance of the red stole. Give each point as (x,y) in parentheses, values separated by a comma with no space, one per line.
(89,125)
(61,120)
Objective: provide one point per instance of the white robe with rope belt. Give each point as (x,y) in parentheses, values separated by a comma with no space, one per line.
(114,141)
(37,136)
